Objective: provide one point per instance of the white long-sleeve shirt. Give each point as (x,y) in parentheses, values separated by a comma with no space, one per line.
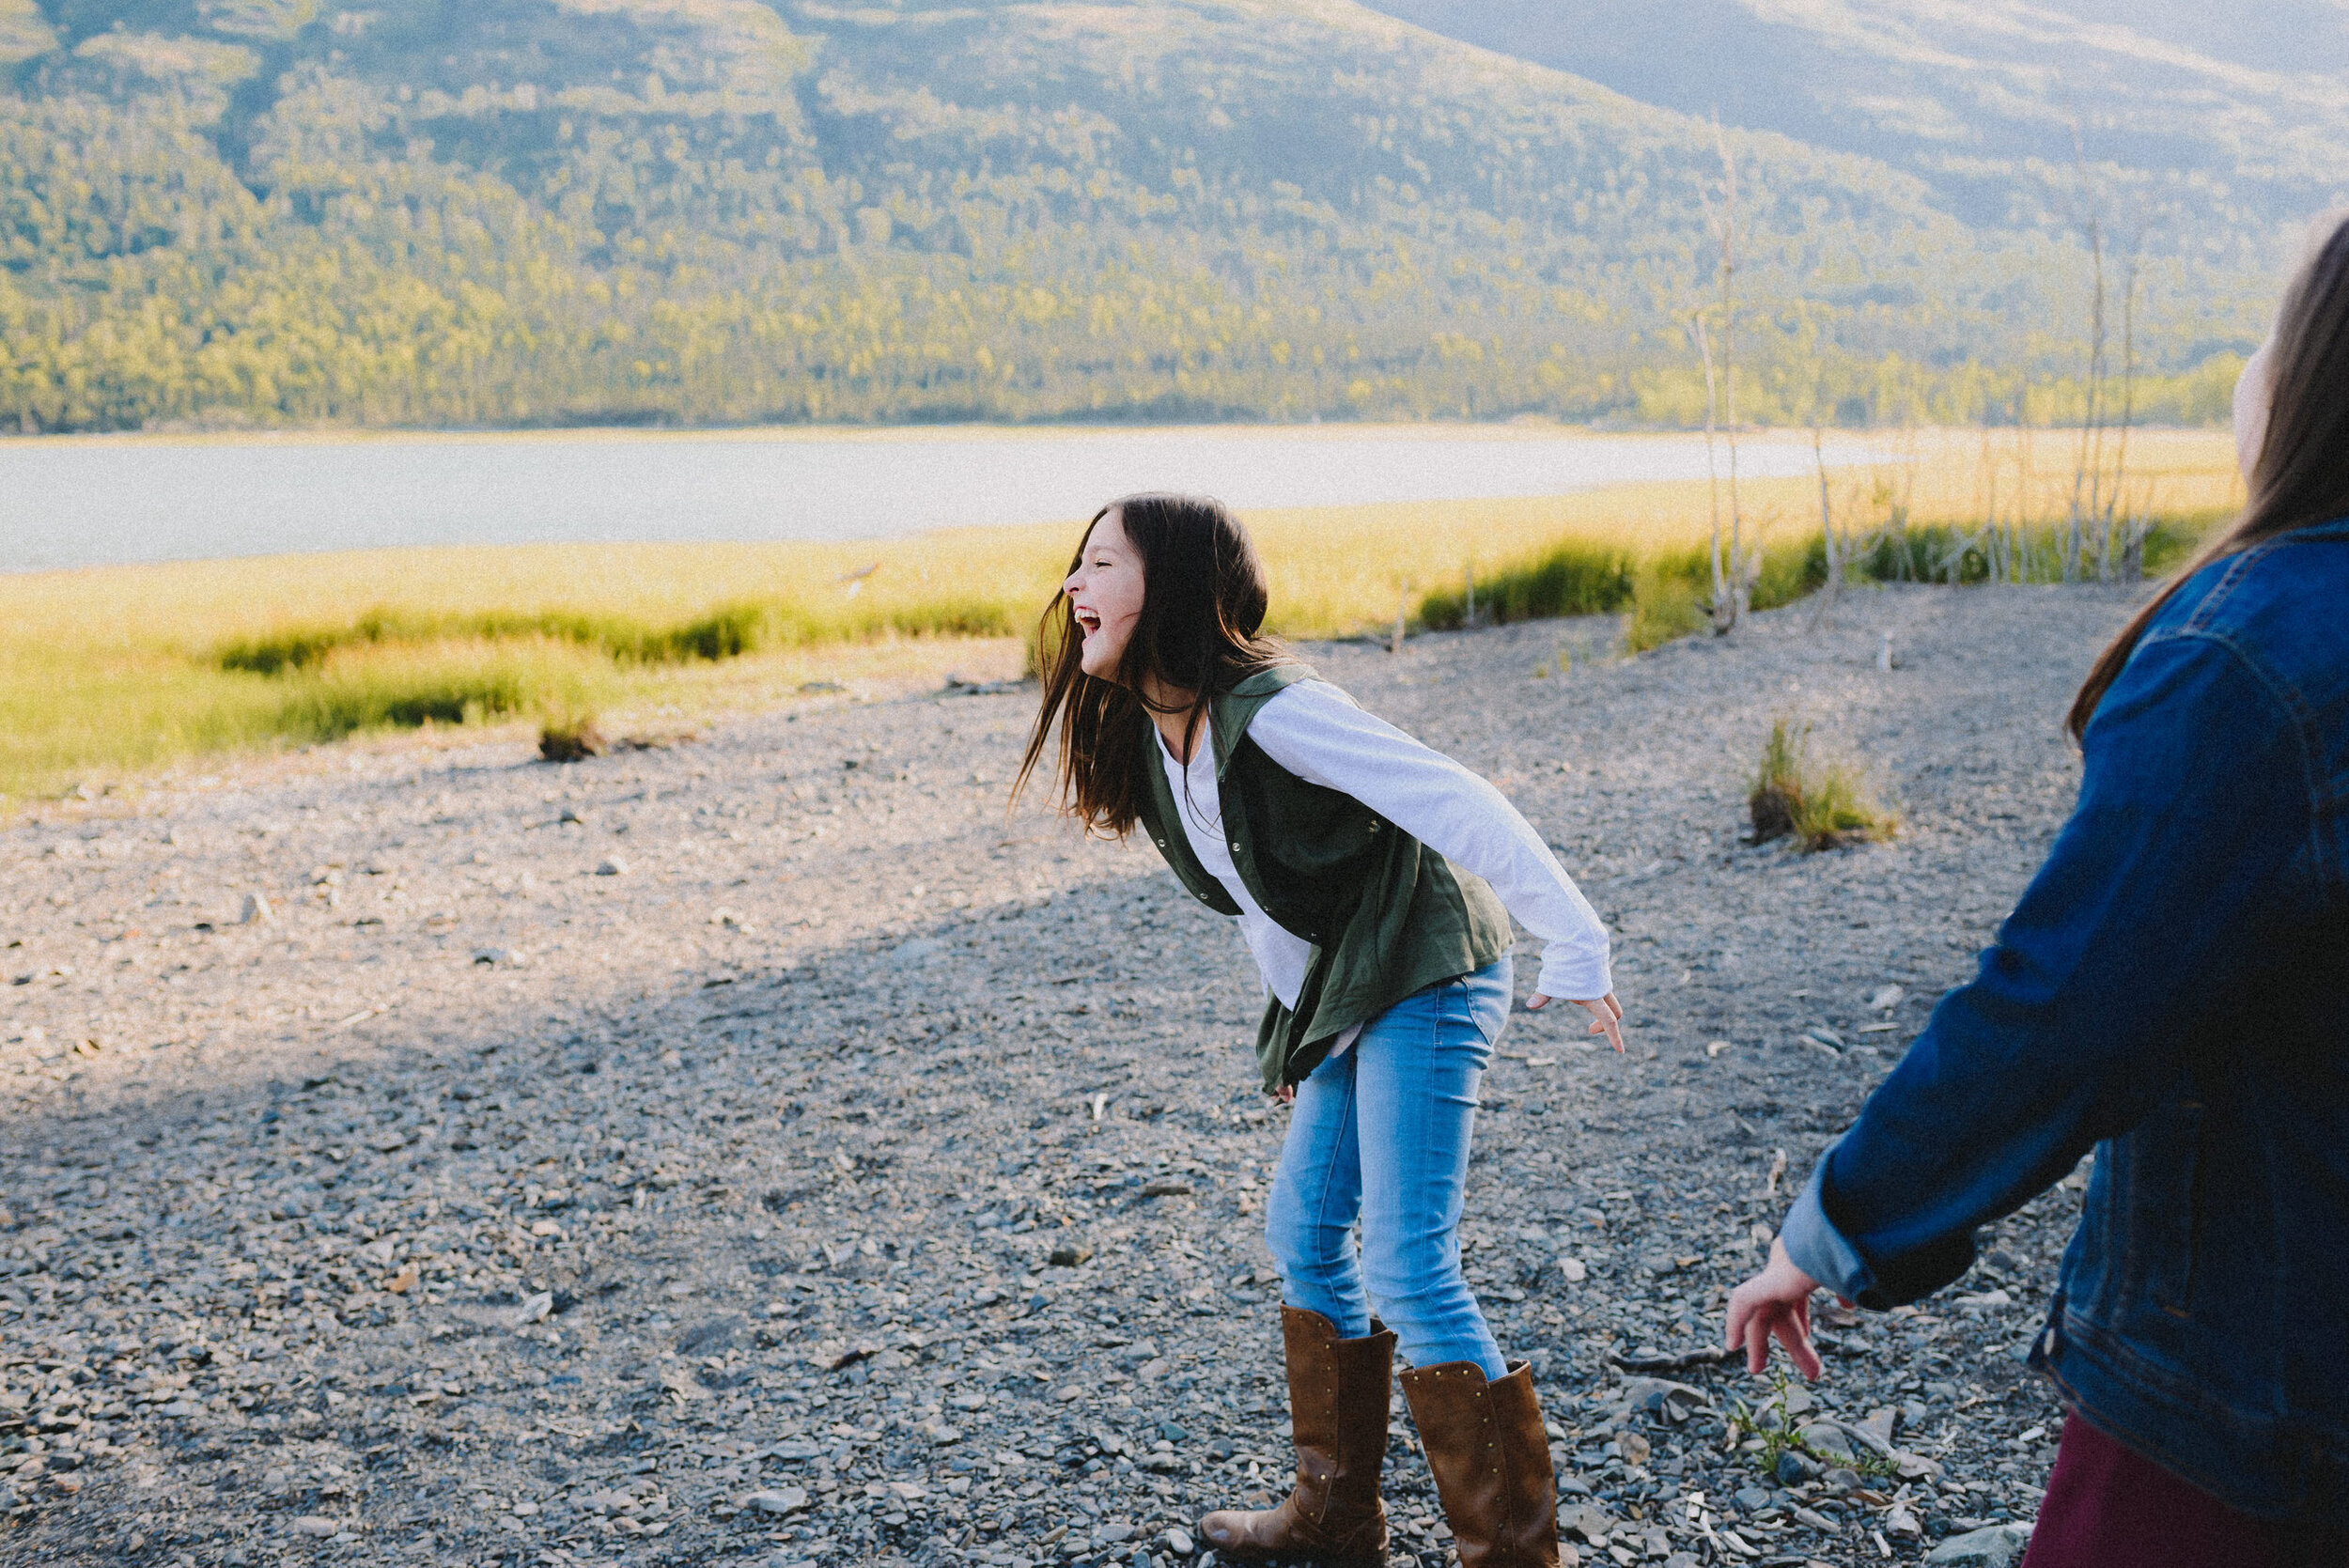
(1314,731)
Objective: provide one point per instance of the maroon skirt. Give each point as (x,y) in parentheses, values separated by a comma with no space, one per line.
(2108,1508)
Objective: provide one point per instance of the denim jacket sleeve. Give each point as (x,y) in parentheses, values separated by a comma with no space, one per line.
(2196,795)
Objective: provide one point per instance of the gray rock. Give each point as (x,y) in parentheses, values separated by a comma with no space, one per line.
(612,866)
(1590,1521)
(1754,1498)
(1654,1395)
(1795,1468)
(1998,1547)
(782,1500)
(704,1339)
(1177,1541)
(1829,1438)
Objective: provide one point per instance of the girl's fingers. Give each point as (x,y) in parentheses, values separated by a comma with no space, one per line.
(1608,1013)
(1535,1002)
(1795,1336)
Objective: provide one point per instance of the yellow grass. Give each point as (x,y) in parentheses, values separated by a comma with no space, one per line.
(109,670)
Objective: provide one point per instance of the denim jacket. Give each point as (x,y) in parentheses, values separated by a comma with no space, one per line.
(2172,991)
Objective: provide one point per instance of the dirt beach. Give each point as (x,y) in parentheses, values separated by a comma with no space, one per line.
(765,1146)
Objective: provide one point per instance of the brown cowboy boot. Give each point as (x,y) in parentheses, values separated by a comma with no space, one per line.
(1338,1392)
(1490,1457)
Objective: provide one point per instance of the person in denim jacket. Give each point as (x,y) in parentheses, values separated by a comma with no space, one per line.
(2172,991)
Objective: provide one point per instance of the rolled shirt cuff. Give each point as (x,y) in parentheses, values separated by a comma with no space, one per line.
(1575,976)
(1817,1247)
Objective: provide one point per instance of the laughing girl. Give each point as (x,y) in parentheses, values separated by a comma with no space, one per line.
(1373,880)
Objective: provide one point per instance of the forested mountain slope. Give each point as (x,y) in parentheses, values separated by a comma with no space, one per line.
(536,211)
(2205,127)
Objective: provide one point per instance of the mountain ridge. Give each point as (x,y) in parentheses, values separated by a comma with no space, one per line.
(1985,100)
(558,211)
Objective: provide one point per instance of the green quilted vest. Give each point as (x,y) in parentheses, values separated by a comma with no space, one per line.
(1386,915)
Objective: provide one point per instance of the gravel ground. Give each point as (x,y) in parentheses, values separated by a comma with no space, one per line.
(766,1146)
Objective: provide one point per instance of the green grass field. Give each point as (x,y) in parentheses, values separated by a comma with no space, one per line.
(108,674)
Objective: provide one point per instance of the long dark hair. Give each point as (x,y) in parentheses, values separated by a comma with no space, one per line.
(2301,473)
(1203,608)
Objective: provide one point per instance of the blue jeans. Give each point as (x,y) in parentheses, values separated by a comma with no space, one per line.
(1381,1135)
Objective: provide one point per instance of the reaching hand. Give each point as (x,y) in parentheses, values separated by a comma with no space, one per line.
(1606,1009)
(1774,1304)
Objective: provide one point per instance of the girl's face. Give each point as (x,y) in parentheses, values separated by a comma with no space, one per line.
(1105,593)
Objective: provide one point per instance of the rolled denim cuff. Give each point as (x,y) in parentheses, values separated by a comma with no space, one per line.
(1817,1247)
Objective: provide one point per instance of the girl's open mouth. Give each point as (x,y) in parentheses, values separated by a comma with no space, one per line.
(1088,622)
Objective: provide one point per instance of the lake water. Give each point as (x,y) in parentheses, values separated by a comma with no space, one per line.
(94,501)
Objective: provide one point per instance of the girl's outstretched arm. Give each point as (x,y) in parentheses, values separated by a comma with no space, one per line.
(1314,731)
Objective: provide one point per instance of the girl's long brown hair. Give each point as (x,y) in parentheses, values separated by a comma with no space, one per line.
(2301,473)
(1203,608)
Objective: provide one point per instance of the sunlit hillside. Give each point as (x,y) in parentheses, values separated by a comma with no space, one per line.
(552,212)
(2180,126)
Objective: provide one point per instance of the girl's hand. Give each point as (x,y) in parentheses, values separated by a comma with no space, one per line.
(1606,1009)
(1774,1304)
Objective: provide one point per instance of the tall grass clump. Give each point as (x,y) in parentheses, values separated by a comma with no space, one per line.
(1960,555)
(1571,579)
(1671,587)
(1820,805)
(473,683)
(724,631)
(1670,599)
(571,738)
